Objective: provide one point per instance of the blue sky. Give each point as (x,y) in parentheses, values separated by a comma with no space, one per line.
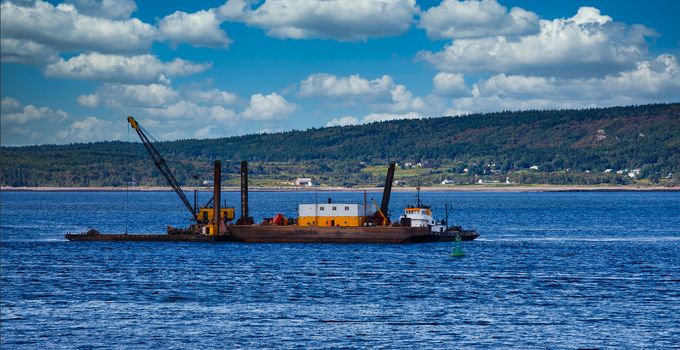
(73,71)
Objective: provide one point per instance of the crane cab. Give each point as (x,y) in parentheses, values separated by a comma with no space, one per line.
(206,216)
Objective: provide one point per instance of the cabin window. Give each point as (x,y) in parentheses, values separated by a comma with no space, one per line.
(335,208)
(347,208)
(321,208)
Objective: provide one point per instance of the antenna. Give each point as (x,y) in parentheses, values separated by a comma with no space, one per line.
(418,204)
(316,209)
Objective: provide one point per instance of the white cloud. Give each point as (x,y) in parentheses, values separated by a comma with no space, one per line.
(213,96)
(190,111)
(652,81)
(380,117)
(113,9)
(91,100)
(136,95)
(403,100)
(62,28)
(449,84)
(220,113)
(200,28)
(329,85)
(381,92)
(162,98)
(177,110)
(14,113)
(24,51)
(372,118)
(345,20)
(204,133)
(453,19)
(90,129)
(9,105)
(175,114)
(344,121)
(587,44)
(114,68)
(268,107)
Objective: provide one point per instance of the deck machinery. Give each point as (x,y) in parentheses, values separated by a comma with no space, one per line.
(316,223)
(204,221)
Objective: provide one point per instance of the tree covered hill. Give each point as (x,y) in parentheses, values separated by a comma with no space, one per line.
(567,146)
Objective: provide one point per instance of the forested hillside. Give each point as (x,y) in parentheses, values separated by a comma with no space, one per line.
(562,147)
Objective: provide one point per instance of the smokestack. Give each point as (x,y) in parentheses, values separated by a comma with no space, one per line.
(244,191)
(217,182)
(387,191)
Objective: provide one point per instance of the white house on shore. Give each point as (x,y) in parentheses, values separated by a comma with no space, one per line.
(303,181)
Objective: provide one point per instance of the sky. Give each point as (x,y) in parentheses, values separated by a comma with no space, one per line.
(73,71)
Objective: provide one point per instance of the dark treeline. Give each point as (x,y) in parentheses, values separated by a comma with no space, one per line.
(567,146)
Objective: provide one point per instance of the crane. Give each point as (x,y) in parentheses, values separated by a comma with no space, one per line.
(162,166)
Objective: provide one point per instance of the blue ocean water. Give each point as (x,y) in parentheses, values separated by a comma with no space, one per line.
(550,270)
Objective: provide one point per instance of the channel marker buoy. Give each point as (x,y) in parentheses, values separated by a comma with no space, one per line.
(457,247)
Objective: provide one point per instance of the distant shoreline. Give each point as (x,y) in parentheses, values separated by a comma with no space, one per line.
(464,188)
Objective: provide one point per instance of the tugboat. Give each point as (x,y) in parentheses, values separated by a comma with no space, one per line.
(420,215)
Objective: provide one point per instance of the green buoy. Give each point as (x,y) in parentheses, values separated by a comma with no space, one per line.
(457,247)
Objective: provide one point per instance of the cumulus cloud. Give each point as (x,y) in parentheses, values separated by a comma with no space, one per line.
(25,51)
(380,90)
(403,100)
(454,19)
(114,68)
(586,44)
(9,105)
(329,85)
(349,20)
(113,9)
(164,100)
(381,117)
(268,107)
(372,118)
(190,111)
(213,97)
(14,113)
(29,124)
(344,121)
(200,28)
(90,129)
(657,80)
(130,95)
(91,100)
(63,28)
(449,84)
(174,114)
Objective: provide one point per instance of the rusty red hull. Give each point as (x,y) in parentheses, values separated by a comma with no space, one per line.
(311,234)
(289,234)
(121,237)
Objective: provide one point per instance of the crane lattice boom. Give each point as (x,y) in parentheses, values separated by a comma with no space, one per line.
(160,163)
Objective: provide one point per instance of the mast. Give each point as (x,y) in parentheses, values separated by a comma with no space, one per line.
(387,191)
(418,204)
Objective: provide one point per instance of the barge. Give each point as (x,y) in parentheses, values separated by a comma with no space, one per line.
(316,223)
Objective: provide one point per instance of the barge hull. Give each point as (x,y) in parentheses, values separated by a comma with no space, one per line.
(312,234)
(122,237)
(289,234)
